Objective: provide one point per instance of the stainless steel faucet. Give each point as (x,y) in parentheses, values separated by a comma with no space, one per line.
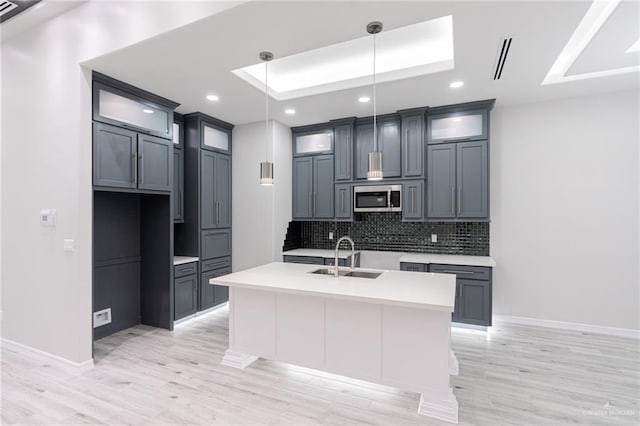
(353,255)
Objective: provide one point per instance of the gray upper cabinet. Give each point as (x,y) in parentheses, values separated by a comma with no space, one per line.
(178,131)
(114,156)
(413,200)
(458,126)
(413,152)
(441,181)
(177,193)
(313,141)
(302,187)
(343,201)
(323,187)
(458,181)
(215,190)
(215,138)
(364,145)
(123,105)
(126,159)
(343,152)
(155,163)
(313,187)
(472,180)
(388,144)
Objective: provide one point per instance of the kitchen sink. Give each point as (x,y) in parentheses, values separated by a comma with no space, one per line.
(343,273)
(363,274)
(326,271)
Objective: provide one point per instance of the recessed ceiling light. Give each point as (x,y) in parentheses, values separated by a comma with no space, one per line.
(364,99)
(290,111)
(456,84)
(148,111)
(213,98)
(403,52)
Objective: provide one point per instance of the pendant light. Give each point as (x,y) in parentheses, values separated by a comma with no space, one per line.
(266,167)
(375,157)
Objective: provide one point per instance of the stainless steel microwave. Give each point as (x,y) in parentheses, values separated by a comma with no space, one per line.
(379,198)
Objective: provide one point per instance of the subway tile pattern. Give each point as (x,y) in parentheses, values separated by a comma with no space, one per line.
(387,232)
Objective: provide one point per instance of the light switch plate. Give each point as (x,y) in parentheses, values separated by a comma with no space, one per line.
(331,235)
(48,217)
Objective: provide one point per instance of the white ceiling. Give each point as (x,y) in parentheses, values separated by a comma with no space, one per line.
(186,64)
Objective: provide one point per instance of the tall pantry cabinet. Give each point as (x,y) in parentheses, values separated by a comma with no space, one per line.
(206,231)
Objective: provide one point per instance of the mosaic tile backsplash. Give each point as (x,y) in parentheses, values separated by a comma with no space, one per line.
(387,232)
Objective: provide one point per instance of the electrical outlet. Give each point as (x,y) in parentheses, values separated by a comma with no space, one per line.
(69,245)
(331,235)
(101,317)
(434,238)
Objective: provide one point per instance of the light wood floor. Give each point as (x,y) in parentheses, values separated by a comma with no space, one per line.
(512,375)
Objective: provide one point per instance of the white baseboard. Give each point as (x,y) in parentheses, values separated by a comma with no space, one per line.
(588,328)
(46,357)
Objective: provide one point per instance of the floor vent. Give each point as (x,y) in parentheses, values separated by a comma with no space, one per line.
(502,58)
(6,7)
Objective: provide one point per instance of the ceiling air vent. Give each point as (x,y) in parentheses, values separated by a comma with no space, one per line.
(6,7)
(502,58)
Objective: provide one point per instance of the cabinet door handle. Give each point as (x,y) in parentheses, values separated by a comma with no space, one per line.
(180,202)
(217,213)
(453,200)
(141,169)
(314,203)
(460,291)
(459,202)
(457,272)
(134,163)
(310,203)
(342,202)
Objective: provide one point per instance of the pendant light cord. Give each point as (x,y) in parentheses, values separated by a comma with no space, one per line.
(375,126)
(266,103)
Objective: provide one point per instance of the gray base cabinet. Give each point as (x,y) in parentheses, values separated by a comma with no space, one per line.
(473,293)
(186,296)
(212,295)
(317,260)
(474,296)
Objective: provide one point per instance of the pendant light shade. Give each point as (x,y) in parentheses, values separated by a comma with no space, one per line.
(266,167)
(266,173)
(375,158)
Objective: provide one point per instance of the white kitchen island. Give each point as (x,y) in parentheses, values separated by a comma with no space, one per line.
(393,330)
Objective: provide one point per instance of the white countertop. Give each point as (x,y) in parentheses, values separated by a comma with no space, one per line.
(342,254)
(448,259)
(426,290)
(180,260)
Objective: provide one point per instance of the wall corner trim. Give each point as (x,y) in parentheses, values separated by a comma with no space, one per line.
(587,328)
(46,357)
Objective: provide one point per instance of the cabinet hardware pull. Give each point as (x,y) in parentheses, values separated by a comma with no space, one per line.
(456,139)
(180,202)
(459,202)
(457,272)
(453,200)
(217,213)
(134,162)
(141,169)
(460,291)
(310,204)
(342,202)
(314,203)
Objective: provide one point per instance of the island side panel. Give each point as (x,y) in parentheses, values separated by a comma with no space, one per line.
(415,349)
(254,322)
(300,325)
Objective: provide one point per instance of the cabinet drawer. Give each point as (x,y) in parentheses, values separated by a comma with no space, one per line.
(414,267)
(467,272)
(215,244)
(304,259)
(185,269)
(209,265)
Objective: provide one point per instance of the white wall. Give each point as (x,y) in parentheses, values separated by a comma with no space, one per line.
(46,163)
(564,210)
(260,213)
